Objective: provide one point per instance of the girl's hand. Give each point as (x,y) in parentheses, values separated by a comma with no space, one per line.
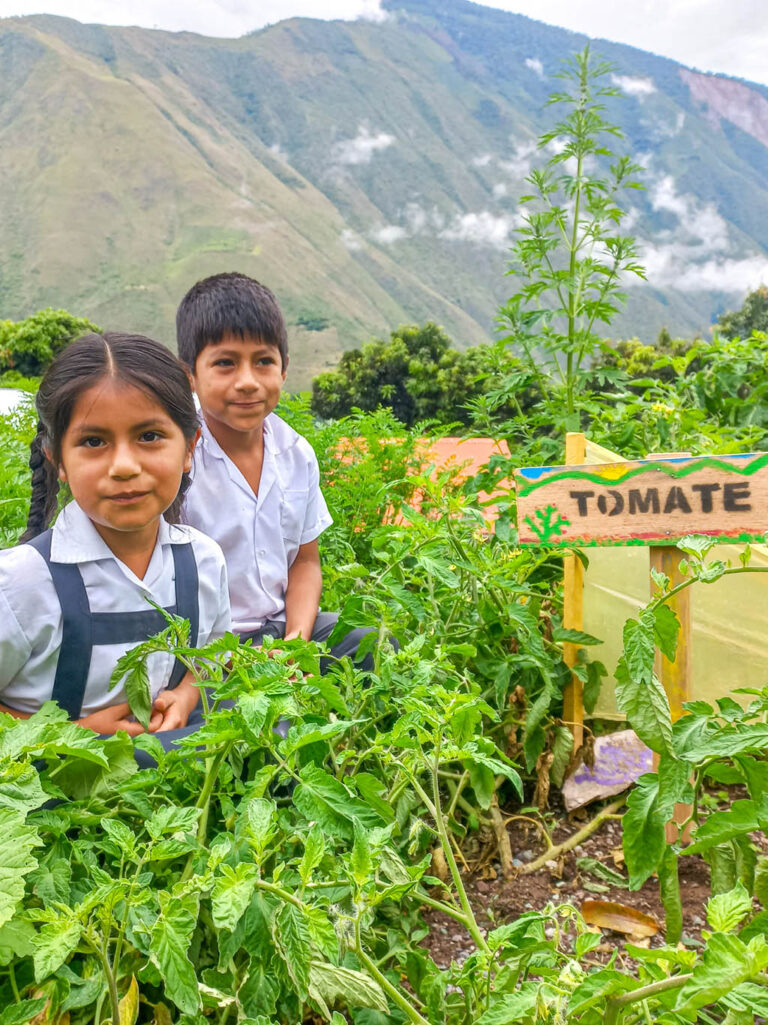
(112,719)
(171,709)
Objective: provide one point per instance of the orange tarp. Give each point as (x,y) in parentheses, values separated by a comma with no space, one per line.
(464,457)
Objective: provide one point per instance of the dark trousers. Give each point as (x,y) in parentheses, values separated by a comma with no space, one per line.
(323,627)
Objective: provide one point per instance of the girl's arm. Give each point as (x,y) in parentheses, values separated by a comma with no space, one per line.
(14,712)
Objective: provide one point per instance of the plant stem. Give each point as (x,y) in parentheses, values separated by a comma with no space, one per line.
(573,841)
(114,999)
(14,987)
(615,1004)
(204,802)
(394,994)
(471,923)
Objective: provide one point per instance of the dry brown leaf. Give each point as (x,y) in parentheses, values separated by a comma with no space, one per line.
(618,856)
(609,914)
(439,864)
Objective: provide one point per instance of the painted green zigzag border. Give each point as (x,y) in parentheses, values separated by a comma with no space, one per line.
(675,472)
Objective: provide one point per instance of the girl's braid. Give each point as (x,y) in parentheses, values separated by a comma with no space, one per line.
(45,488)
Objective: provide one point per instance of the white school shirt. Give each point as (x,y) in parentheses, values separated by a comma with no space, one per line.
(259,534)
(30,613)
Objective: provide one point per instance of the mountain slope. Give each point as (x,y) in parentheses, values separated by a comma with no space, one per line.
(367,171)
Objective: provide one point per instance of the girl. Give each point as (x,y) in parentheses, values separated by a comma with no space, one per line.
(117,425)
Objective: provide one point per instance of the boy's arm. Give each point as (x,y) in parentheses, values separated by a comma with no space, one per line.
(302,593)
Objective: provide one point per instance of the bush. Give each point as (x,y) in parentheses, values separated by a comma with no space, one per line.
(28,346)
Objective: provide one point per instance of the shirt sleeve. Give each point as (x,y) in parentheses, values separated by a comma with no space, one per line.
(316,517)
(223,621)
(15,646)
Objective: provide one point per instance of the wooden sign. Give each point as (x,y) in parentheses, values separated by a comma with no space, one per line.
(650,501)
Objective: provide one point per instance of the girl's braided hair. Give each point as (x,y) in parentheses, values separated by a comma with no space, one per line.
(134,359)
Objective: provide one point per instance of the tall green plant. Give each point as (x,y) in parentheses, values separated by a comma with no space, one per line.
(569,256)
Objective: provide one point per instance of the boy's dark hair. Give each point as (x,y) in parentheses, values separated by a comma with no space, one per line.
(138,361)
(228,304)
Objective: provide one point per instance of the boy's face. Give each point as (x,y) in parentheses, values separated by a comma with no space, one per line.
(238,383)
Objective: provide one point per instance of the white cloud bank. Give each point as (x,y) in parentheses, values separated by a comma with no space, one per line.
(698,254)
(639,87)
(361,149)
(535,66)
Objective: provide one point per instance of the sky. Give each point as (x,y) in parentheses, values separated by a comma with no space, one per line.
(729,36)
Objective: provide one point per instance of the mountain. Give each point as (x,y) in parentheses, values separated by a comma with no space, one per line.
(367,171)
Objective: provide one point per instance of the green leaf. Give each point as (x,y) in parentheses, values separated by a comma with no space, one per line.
(254,709)
(332,983)
(310,733)
(231,894)
(137,691)
(322,798)
(17,839)
(169,949)
(726,910)
(360,859)
(721,826)
(314,849)
(53,945)
(639,651)
(260,824)
(171,818)
(725,963)
(510,1007)
(292,941)
(562,633)
(666,629)
(17,940)
(22,1012)
(20,787)
(644,837)
(646,706)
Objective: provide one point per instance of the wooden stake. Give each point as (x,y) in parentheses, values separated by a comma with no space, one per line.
(573,609)
(676,677)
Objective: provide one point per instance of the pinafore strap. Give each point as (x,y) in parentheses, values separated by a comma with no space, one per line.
(82,629)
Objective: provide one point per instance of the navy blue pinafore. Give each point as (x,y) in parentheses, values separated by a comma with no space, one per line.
(82,629)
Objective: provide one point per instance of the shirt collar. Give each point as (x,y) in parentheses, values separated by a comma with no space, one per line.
(212,446)
(76,540)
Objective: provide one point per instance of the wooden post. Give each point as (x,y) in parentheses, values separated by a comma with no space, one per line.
(676,677)
(573,609)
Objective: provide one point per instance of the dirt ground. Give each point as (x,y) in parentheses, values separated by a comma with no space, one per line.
(496,900)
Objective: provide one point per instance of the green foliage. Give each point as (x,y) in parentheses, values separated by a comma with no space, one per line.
(750,319)
(17,429)
(569,256)
(28,346)
(415,373)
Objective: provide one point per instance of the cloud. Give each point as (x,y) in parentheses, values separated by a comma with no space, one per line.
(520,163)
(639,87)
(697,255)
(483,160)
(483,228)
(701,226)
(351,240)
(499,190)
(388,234)
(370,10)
(535,65)
(360,149)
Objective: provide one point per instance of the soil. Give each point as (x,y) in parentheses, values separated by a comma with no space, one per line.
(496,900)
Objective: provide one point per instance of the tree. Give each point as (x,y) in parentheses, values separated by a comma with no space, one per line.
(415,373)
(28,346)
(569,257)
(753,316)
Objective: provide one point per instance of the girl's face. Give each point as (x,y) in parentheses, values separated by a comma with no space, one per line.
(122,457)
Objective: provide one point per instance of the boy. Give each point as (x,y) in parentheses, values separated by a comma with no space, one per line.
(255,481)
